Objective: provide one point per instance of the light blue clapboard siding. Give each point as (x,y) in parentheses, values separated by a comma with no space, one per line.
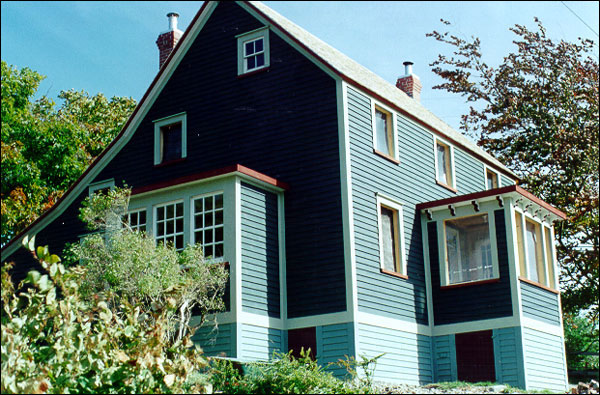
(217,340)
(411,182)
(334,343)
(544,360)
(258,343)
(540,304)
(407,357)
(260,252)
(444,358)
(508,356)
(505,181)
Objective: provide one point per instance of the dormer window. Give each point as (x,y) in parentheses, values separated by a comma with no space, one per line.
(170,139)
(253,51)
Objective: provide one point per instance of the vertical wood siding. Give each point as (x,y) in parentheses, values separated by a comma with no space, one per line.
(544,360)
(260,252)
(258,343)
(473,302)
(411,182)
(407,356)
(444,358)
(335,342)
(539,304)
(217,341)
(508,353)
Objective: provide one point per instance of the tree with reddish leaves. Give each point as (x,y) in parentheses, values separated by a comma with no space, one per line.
(537,111)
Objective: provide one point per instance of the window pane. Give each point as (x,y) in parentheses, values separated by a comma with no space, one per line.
(381,133)
(171,137)
(170,211)
(219,218)
(208,250)
(549,258)
(260,60)
(208,203)
(142,219)
(520,245)
(468,249)
(160,213)
(442,164)
(219,250)
(258,45)
(490,181)
(251,63)
(536,271)
(218,201)
(388,239)
(249,48)
(219,234)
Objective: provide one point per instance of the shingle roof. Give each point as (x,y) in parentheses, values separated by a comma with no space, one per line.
(365,78)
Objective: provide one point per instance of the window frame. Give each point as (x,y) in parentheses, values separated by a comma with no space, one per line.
(487,170)
(158,137)
(546,248)
(137,227)
(450,167)
(155,235)
(400,244)
(392,154)
(250,36)
(99,185)
(193,228)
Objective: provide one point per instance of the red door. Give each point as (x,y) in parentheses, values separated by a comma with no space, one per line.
(475,356)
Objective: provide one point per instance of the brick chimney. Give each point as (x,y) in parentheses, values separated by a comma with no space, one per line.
(166,41)
(409,82)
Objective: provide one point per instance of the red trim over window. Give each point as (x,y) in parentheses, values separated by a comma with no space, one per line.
(209,174)
(493,192)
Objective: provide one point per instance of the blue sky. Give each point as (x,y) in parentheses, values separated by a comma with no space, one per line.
(109,47)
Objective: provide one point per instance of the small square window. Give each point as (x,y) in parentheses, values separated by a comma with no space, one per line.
(444,167)
(391,237)
(170,137)
(253,51)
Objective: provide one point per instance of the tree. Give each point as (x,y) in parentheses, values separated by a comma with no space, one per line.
(538,113)
(45,149)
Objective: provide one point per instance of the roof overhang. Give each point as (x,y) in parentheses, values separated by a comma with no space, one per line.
(521,197)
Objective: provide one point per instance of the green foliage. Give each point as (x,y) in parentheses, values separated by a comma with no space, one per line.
(45,149)
(285,375)
(538,112)
(367,365)
(579,337)
(138,272)
(55,341)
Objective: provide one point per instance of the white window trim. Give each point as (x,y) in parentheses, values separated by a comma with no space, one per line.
(396,205)
(443,254)
(159,123)
(193,225)
(485,171)
(101,185)
(155,219)
(251,36)
(452,165)
(374,106)
(145,229)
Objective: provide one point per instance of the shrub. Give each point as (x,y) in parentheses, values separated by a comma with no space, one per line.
(53,340)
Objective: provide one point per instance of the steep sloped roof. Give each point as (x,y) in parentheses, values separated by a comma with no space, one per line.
(359,75)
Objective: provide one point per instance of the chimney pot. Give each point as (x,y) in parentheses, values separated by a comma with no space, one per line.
(172,20)
(166,41)
(408,68)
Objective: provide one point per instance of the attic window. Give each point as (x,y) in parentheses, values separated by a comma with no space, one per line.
(253,51)
(170,139)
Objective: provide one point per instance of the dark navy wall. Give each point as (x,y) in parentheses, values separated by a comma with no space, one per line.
(281,122)
(471,302)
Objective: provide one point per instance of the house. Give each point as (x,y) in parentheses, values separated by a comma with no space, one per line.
(354,221)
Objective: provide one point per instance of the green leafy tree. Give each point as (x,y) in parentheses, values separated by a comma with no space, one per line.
(537,111)
(45,149)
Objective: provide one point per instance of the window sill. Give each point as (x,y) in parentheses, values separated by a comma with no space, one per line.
(386,156)
(536,284)
(480,282)
(446,186)
(395,274)
(171,162)
(253,72)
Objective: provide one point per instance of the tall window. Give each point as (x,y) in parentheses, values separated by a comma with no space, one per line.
(391,237)
(253,51)
(534,251)
(384,139)
(468,249)
(170,139)
(444,167)
(136,220)
(168,220)
(491,179)
(209,225)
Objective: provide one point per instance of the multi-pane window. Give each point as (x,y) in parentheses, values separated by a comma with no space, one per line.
(384,138)
(168,222)
(491,179)
(444,164)
(254,54)
(135,220)
(253,51)
(208,224)
(468,249)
